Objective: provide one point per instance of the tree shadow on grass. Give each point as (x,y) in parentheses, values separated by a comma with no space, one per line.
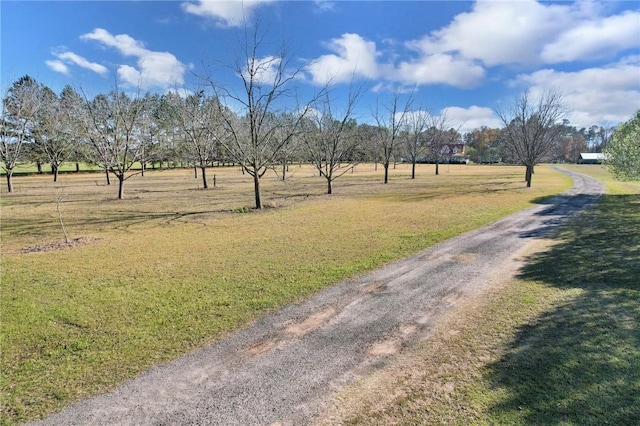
(580,362)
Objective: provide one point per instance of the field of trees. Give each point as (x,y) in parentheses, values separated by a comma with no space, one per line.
(124,133)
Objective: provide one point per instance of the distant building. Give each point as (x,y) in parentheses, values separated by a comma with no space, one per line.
(453,153)
(591,158)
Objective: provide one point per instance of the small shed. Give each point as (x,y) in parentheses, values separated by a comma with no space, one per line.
(591,158)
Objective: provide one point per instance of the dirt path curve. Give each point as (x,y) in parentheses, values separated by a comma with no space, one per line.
(285,368)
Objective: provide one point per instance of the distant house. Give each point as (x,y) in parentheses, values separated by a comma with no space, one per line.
(453,153)
(591,158)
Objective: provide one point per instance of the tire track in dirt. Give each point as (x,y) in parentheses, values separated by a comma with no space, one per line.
(285,368)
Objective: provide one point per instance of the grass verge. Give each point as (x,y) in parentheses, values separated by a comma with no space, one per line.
(558,345)
(174,267)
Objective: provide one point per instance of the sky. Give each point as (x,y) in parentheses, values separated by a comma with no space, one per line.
(457,59)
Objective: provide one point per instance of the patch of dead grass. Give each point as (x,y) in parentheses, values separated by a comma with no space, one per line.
(60,245)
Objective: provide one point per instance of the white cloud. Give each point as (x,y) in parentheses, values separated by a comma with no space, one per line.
(468,119)
(129,75)
(595,39)
(126,44)
(498,32)
(441,68)
(595,95)
(530,32)
(229,13)
(354,57)
(524,32)
(66,58)
(58,66)
(73,58)
(323,6)
(155,69)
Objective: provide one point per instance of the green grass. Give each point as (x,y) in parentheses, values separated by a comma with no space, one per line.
(31,168)
(176,267)
(580,361)
(559,345)
(70,167)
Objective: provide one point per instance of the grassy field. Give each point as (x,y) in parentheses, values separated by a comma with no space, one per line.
(31,168)
(66,167)
(558,345)
(173,267)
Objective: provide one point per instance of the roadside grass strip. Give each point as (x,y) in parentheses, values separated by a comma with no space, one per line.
(172,267)
(558,345)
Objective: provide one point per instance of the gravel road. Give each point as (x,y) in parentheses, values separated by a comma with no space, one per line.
(285,368)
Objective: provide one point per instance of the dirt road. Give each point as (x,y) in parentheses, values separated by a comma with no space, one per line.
(285,368)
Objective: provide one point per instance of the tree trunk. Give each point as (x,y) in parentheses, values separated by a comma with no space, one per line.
(437,168)
(195,172)
(77,167)
(284,170)
(142,164)
(413,169)
(10,180)
(329,189)
(204,177)
(106,171)
(39,165)
(256,189)
(528,174)
(386,172)
(54,170)
(120,186)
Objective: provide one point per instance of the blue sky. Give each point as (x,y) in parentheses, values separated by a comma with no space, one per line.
(462,59)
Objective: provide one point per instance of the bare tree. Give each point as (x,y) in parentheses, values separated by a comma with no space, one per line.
(20,108)
(294,150)
(415,125)
(332,142)
(112,127)
(258,134)
(531,128)
(390,121)
(369,147)
(197,117)
(56,131)
(439,135)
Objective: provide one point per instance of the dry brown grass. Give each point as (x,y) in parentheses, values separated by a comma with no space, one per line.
(174,267)
(162,198)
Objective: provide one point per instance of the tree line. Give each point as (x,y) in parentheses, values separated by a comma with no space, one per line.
(268,128)
(121,130)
